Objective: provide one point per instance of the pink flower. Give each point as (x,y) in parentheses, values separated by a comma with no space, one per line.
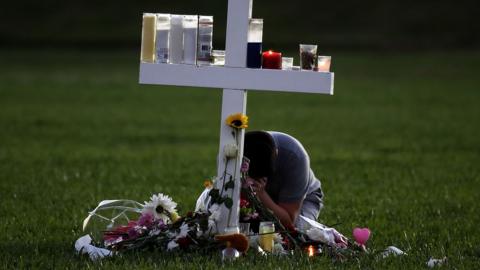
(146,220)
(244,203)
(134,232)
(252,216)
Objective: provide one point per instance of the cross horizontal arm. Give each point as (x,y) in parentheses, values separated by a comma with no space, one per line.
(237,78)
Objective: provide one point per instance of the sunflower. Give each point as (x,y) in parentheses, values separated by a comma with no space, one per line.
(237,120)
(162,207)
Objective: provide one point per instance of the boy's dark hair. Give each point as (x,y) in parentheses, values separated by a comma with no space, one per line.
(260,148)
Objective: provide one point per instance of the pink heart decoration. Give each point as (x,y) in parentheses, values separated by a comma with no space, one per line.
(361,235)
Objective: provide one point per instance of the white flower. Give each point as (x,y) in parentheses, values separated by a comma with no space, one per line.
(230,150)
(322,235)
(172,245)
(161,206)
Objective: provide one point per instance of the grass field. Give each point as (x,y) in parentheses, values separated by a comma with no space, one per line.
(397,149)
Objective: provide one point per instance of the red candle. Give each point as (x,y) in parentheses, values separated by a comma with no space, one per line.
(272,60)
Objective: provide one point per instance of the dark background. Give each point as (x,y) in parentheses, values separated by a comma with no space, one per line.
(343,24)
(397,148)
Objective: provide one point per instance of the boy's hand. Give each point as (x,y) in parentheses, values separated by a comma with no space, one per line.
(259,185)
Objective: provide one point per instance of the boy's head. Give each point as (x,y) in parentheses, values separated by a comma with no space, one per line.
(261,150)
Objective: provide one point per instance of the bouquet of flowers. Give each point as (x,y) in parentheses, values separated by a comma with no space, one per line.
(155,224)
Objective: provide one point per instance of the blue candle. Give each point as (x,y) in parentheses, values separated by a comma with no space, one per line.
(254,54)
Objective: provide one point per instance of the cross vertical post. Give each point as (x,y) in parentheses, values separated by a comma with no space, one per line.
(234,78)
(233,101)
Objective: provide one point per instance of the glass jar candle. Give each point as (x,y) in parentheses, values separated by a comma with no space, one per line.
(205,35)
(190,28)
(324,63)
(254,45)
(266,231)
(218,57)
(162,36)
(176,39)
(287,63)
(244,228)
(308,56)
(147,53)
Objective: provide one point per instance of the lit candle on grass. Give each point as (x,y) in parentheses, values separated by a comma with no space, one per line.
(311,251)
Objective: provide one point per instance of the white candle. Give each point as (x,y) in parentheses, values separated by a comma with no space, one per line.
(147,53)
(161,41)
(176,39)
(205,33)
(190,27)
(324,63)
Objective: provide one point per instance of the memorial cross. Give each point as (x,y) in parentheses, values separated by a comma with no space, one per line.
(234,78)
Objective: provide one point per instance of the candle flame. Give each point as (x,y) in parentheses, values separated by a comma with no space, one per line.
(310,251)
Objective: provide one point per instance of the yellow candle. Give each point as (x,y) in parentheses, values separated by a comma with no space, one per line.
(148,38)
(266,231)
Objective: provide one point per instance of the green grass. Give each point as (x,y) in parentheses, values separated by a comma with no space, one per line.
(397,149)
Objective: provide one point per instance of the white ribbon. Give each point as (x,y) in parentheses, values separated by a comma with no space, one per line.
(83,246)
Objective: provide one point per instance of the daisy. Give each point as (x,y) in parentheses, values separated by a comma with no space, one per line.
(161,207)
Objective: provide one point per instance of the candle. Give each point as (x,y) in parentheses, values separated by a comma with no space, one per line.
(254,45)
(176,39)
(205,34)
(148,38)
(287,63)
(308,56)
(218,57)
(311,251)
(266,230)
(324,63)
(161,42)
(190,27)
(272,60)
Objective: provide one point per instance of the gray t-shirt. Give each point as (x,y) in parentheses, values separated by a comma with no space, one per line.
(293,180)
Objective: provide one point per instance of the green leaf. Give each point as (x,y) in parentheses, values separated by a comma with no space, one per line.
(215,195)
(228,202)
(229,184)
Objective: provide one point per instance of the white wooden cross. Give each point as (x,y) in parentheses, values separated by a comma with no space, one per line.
(234,78)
